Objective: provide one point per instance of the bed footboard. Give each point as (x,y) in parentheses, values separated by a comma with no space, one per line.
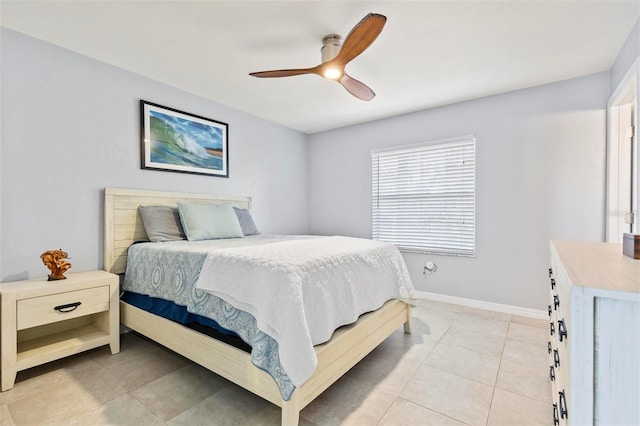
(345,349)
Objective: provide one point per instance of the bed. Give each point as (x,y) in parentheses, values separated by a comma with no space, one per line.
(347,346)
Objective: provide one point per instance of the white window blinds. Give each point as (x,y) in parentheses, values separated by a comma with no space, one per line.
(424,196)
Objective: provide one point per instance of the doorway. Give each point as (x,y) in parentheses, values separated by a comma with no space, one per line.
(622,159)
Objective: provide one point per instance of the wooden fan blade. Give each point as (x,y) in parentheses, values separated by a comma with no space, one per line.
(357,88)
(283,73)
(361,37)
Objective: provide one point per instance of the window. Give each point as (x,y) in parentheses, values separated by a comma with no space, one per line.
(424,196)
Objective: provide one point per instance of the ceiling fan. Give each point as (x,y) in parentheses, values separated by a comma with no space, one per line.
(336,54)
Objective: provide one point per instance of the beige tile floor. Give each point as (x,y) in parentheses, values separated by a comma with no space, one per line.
(460,366)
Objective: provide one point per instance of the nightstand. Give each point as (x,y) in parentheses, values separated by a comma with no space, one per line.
(42,320)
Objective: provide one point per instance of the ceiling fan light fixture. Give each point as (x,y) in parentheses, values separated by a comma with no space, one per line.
(332,73)
(331,45)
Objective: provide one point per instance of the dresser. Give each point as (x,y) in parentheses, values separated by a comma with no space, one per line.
(594,334)
(42,320)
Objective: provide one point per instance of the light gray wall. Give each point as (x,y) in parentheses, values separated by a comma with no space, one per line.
(70,127)
(540,176)
(627,55)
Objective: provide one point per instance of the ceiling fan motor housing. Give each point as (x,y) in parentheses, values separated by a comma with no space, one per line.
(331,45)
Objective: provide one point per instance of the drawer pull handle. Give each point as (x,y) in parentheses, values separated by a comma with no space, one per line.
(556,302)
(68,307)
(553,283)
(549,306)
(556,358)
(552,373)
(563,405)
(552,328)
(556,419)
(549,347)
(562,330)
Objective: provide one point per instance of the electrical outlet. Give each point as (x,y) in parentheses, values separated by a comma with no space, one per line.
(430,268)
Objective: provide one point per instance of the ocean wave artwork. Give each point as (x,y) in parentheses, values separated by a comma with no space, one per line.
(181,142)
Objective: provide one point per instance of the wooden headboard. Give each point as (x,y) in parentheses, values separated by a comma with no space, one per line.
(123,224)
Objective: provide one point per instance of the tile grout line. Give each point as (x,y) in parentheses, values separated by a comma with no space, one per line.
(493,393)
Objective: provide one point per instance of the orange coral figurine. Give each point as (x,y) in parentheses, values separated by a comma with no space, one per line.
(56,261)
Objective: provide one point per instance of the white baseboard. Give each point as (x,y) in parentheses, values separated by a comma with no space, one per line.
(481,304)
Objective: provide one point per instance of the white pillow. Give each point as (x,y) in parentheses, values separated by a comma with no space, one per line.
(209,221)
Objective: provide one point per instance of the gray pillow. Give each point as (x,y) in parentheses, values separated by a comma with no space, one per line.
(246,222)
(162,223)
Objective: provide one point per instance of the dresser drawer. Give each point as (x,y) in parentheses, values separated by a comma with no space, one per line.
(62,306)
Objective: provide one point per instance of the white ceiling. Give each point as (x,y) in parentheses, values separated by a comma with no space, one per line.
(430,53)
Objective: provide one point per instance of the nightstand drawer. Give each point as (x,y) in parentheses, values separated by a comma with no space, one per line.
(62,306)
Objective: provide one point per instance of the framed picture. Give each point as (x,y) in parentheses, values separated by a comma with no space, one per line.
(181,142)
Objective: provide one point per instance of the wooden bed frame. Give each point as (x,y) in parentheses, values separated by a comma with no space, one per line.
(346,348)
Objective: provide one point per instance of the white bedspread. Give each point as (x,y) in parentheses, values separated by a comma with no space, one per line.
(300,291)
